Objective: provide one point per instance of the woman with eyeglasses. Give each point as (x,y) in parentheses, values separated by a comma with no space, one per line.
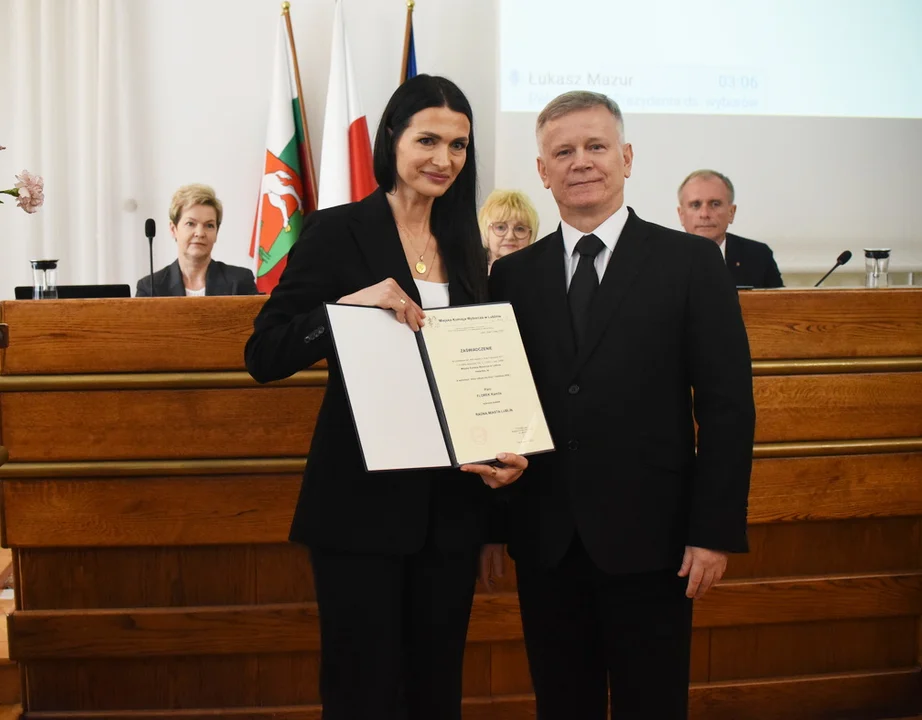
(508,222)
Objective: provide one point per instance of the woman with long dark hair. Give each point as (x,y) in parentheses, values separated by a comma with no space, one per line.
(394,555)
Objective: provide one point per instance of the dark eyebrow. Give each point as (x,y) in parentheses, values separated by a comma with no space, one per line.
(436,136)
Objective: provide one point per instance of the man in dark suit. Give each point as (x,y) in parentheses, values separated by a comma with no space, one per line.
(706,208)
(618,530)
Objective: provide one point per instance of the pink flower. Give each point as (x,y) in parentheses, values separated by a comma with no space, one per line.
(31,193)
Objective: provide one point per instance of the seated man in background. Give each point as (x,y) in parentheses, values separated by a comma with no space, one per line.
(508,222)
(706,208)
(195,217)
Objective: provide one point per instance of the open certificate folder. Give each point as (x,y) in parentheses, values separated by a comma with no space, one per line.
(458,391)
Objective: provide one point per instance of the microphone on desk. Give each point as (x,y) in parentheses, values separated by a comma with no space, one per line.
(841,260)
(150,230)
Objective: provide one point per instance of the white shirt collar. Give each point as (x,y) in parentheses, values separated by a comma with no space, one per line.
(608,232)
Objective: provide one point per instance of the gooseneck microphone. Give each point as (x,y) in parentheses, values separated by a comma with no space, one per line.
(841,260)
(150,230)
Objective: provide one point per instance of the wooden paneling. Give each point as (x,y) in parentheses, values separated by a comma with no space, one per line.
(238,509)
(64,336)
(151,632)
(162,381)
(143,683)
(158,424)
(836,487)
(744,602)
(476,678)
(764,651)
(817,448)
(874,545)
(824,697)
(283,574)
(495,618)
(837,407)
(10,682)
(188,511)
(289,679)
(700,668)
(95,469)
(241,713)
(292,627)
(149,507)
(136,512)
(838,366)
(509,669)
(110,578)
(833,324)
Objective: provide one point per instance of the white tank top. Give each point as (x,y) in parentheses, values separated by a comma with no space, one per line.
(432,294)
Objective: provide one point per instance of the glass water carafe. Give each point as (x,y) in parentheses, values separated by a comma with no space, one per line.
(44,279)
(876,267)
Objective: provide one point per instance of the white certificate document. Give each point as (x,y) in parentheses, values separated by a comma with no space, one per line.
(459,391)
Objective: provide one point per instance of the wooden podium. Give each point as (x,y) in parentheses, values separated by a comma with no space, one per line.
(150,483)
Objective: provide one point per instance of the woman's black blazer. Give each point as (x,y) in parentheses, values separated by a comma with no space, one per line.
(342,250)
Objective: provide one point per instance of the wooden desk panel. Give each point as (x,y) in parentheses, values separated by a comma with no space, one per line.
(838,407)
(793,324)
(136,335)
(159,424)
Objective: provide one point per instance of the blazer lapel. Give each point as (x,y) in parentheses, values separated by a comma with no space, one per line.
(731,253)
(215,281)
(172,282)
(376,234)
(551,285)
(628,259)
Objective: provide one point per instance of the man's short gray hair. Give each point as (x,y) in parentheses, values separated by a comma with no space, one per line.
(579,100)
(708,174)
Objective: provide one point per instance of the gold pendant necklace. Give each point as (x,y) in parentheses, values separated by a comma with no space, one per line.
(420,266)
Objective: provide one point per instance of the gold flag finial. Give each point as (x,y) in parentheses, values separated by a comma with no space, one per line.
(410,5)
(285,7)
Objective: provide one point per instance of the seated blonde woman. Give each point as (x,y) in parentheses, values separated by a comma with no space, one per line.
(195,217)
(508,222)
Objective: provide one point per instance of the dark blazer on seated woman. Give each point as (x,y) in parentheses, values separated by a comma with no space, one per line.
(342,250)
(220,279)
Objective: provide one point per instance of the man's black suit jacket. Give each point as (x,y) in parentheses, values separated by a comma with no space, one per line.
(220,279)
(666,323)
(342,507)
(752,263)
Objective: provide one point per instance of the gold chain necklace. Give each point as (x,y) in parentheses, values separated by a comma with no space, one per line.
(420,264)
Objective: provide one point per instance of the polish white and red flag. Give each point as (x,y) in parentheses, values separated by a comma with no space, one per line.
(346,171)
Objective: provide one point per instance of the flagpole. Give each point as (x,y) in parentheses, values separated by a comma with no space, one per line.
(406,40)
(308,158)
